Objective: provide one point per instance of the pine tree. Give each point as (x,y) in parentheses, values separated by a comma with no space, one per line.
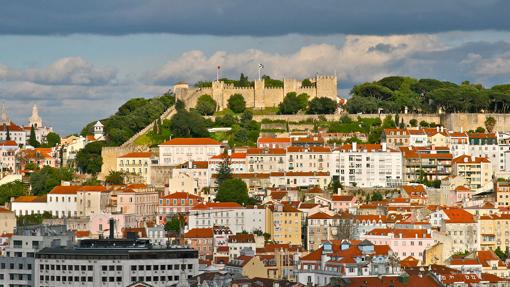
(33,140)
(8,133)
(224,173)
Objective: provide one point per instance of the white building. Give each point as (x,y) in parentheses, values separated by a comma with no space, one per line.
(180,150)
(367,165)
(229,214)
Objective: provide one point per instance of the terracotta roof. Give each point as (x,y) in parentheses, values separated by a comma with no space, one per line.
(455,278)
(181,195)
(300,173)
(322,215)
(462,188)
(485,256)
(272,151)
(241,238)
(8,143)
(273,140)
(466,159)
(73,189)
(191,141)
(397,233)
(216,205)
(409,261)
(12,127)
(30,198)
(482,135)
(82,233)
(342,197)
(233,155)
(199,233)
(458,215)
(140,154)
(5,210)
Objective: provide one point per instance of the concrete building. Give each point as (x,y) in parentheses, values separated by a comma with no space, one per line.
(367,165)
(477,171)
(114,262)
(17,267)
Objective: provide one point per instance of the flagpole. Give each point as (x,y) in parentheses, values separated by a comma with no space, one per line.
(259,71)
(218,73)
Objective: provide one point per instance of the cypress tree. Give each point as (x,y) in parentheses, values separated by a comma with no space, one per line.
(33,140)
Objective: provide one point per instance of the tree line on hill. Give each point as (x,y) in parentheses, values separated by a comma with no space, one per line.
(393,94)
(132,117)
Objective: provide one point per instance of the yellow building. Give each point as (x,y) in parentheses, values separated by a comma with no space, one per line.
(283,223)
(495,231)
(503,193)
(136,166)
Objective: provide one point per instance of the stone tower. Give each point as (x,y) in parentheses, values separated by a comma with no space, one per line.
(4,118)
(35,120)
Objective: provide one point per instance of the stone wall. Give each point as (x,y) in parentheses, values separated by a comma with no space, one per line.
(260,96)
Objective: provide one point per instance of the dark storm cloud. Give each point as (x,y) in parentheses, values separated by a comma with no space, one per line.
(249,17)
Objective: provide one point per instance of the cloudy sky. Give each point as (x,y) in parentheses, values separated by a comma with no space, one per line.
(79,60)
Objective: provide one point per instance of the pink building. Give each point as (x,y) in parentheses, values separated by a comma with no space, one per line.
(403,242)
(177,202)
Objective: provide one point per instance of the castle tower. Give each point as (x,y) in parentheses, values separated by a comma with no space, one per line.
(35,120)
(327,87)
(4,118)
(98,130)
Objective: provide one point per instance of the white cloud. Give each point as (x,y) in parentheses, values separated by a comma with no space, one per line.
(360,58)
(64,71)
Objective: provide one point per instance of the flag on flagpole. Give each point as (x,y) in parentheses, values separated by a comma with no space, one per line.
(261,66)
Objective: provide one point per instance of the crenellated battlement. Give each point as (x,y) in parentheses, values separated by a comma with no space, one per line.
(260,96)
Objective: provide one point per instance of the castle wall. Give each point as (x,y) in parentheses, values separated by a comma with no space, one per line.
(260,96)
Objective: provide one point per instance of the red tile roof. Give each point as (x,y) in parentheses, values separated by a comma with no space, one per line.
(466,159)
(139,154)
(191,141)
(199,233)
(73,189)
(216,205)
(233,155)
(273,140)
(342,197)
(458,215)
(30,198)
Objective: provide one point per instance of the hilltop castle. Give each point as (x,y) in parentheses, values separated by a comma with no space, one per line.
(258,96)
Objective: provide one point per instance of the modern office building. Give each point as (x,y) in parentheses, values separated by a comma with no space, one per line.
(114,262)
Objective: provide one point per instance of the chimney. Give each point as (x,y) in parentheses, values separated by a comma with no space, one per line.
(229,152)
(354,146)
(442,128)
(472,158)
(190,165)
(437,128)
(461,130)
(112,228)
(383,146)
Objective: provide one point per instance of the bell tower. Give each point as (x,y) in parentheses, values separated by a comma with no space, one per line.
(35,120)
